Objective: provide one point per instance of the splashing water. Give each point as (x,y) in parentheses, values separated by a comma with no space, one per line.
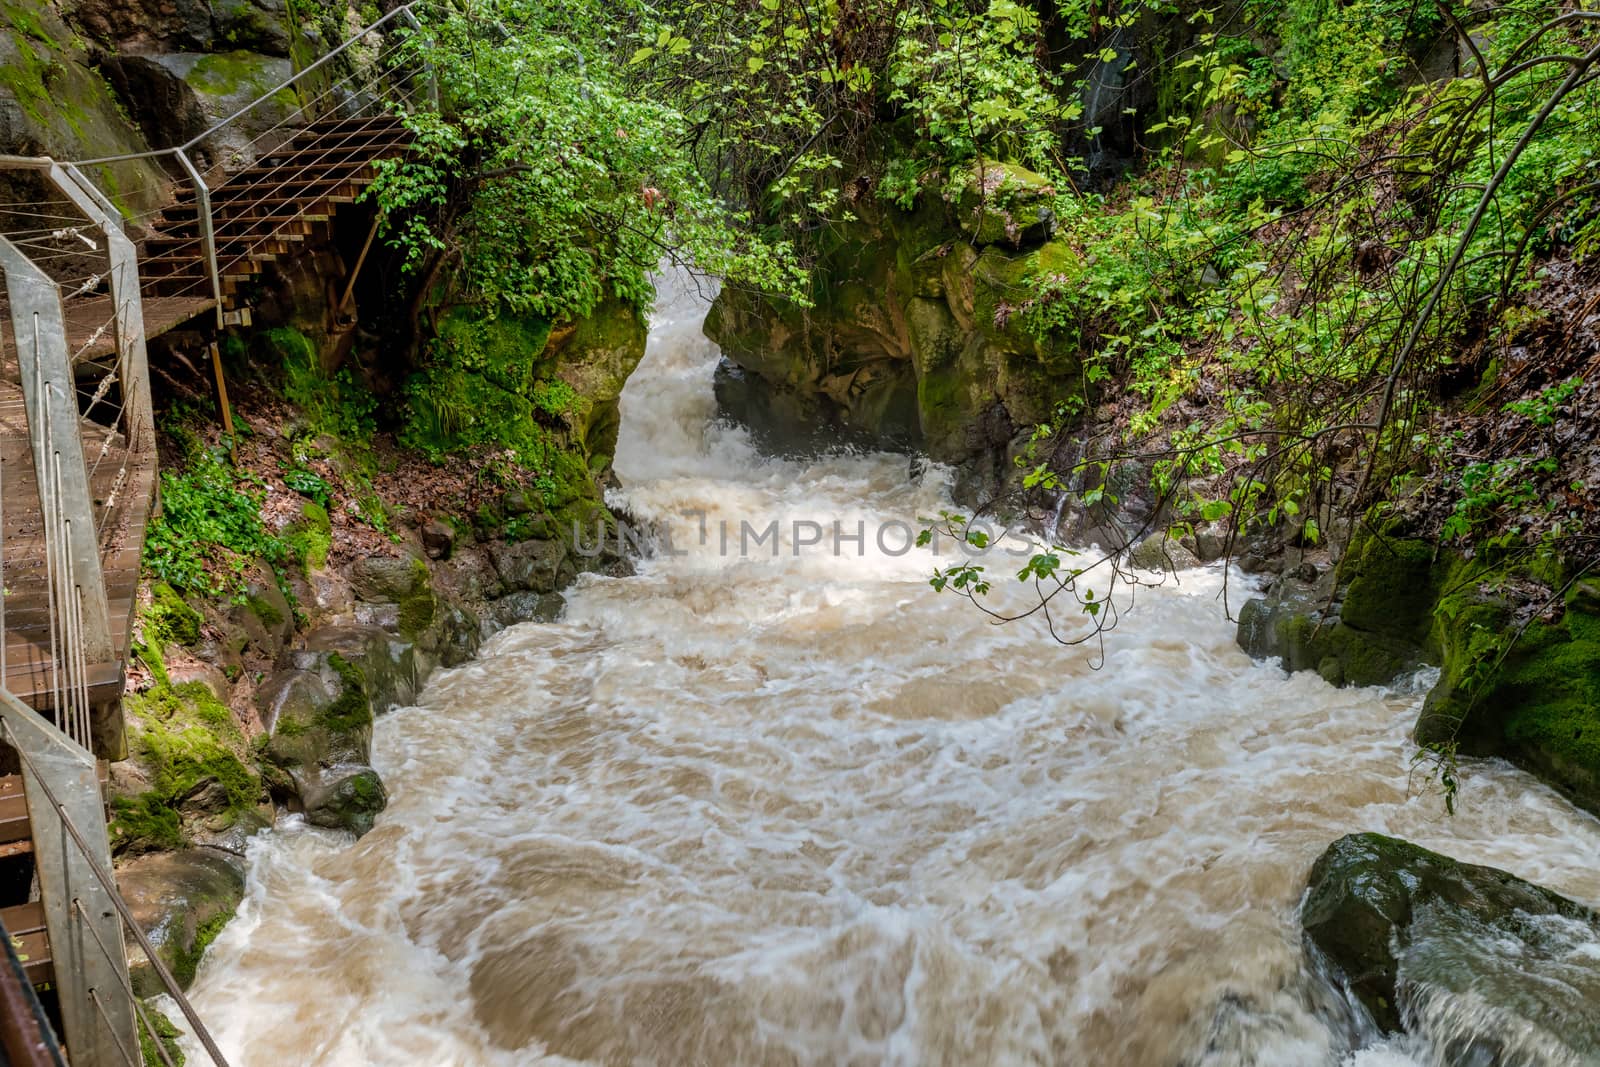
(801,810)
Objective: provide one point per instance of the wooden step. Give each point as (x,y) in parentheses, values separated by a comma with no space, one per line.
(25,924)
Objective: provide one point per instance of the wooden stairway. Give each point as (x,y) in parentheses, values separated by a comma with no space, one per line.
(287,198)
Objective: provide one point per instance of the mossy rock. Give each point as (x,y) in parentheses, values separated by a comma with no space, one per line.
(1004,203)
(169,619)
(405,582)
(1392,585)
(53,102)
(1533,698)
(195,757)
(1291,623)
(1399,922)
(321,714)
(182,900)
(595,361)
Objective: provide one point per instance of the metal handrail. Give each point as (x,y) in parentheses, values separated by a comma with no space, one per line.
(109,885)
(403,9)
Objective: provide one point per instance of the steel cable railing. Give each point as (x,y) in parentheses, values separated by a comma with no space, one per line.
(96,861)
(181,154)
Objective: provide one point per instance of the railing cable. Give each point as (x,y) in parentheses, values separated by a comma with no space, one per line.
(109,885)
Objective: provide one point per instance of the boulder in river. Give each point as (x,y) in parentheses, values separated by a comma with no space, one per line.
(181,900)
(1490,968)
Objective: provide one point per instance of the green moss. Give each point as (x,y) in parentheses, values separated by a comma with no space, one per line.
(145,821)
(417,609)
(1393,584)
(184,964)
(351,710)
(186,737)
(169,619)
(311,536)
(227,73)
(1532,697)
(26,21)
(166,1033)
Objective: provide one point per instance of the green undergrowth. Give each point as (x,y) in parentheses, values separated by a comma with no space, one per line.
(208,536)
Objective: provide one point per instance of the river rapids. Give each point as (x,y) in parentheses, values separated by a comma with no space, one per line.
(800,809)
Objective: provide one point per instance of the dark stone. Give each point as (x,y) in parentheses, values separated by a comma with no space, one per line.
(1299,623)
(540,566)
(439,539)
(1402,924)
(528,607)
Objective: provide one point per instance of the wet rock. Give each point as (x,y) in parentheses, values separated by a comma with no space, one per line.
(438,539)
(1211,542)
(387,666)
(538,566)
(528,607)
(1535,700)
(1492,965)
(143,26)
(320,714)
(380,578)
(1161,553)
(181,901)
(1299,623)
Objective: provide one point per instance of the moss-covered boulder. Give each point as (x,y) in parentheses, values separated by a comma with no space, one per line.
(917,335)
(1524,689)
(595,359)
(54,103)
(319,716)
(1417,937)
(181,900)
(1006,203)
(1365,623)
(192,772)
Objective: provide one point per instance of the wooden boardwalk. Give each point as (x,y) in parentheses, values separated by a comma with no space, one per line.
(123,487)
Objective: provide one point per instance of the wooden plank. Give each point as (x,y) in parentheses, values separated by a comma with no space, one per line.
(25,924)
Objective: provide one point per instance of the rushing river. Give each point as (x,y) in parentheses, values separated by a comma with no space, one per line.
(802,810)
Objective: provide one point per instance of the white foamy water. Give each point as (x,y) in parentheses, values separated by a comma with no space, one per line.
(803,811)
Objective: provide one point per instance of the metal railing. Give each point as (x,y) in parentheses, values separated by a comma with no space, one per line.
(84,912)
(334,98)
(87,421)
(77,360)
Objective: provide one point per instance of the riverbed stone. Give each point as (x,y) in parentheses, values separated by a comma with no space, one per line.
(320,715)
(1161,553)
(181,900)
(1402,924)
(1299,623)
(539,566)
